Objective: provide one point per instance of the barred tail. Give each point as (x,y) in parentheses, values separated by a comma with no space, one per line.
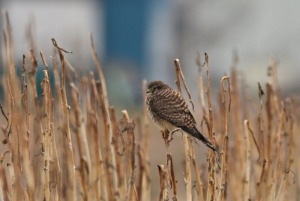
(195,133)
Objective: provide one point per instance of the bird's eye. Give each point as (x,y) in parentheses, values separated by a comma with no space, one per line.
(154,89)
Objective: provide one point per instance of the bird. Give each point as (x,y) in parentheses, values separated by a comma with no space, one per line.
(169,110)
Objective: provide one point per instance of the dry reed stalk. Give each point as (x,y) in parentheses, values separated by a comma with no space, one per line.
(140,161)
(146,121)
(172,178)
(247,170)
(80,132)
(55,171)
(146,178)
(265,178)
(201,194)
(56,79)
(30,36)
(131,191)
(32,77)
(4,182)
(274,95)
(224,171)
(200,84)
(237,150)
(12,131)
(72,69)
(272,72)
(260,185)
(107,141)
(261,151)
(8,172)
(271,118)
(200,190)
(165,170)
(8,41)
(57,175)
(26,150)
(46,142)
(141,164)
(99,68)
(98,167)
(164,181)
(211,157)
(277,165)
(69,162)
(44,61)
(46,127)
(186,142)
(39,162)
(116,134)
(291,145)
(202,101)
(5,178)
(288,150)
(167,174)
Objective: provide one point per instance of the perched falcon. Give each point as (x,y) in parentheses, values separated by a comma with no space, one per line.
(169,110)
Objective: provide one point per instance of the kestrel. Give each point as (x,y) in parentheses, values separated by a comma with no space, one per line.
(169,110)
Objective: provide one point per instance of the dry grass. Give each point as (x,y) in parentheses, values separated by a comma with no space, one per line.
(68,143)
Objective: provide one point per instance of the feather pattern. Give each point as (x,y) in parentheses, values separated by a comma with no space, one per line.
(168,108)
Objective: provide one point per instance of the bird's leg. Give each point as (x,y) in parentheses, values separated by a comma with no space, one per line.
(172,132)
(165,135)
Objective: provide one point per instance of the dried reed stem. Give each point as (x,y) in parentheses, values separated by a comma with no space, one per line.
(26,151)
(120,182)
(145,148)
(247,163)
(46,143)
(237,150)
(98,169)
(85,160)
(276,171)
(222,195)
(200,84)
(163,175)
(99,68)
(186,141)
(131,194)
(200,190)
(261,123)
(107,141)
(211,159)
(13,104)
(57,177)
(70,165)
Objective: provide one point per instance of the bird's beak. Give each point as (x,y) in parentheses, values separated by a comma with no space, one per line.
(147,91)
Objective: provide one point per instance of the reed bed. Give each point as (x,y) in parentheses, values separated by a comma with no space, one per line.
(68,143)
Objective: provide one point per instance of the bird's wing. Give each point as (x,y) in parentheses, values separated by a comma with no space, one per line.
(172,108)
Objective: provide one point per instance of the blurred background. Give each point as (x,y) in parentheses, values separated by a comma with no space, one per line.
(139,39)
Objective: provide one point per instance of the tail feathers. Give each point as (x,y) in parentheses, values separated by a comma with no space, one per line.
(195,133)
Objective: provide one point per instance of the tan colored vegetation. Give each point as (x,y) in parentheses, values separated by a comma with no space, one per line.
(69,143)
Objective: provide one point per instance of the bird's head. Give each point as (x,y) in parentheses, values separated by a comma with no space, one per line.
(155,86)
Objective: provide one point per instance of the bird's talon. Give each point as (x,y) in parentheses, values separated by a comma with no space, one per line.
(169,140)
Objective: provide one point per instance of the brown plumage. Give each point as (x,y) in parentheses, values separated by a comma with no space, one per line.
(169,110)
